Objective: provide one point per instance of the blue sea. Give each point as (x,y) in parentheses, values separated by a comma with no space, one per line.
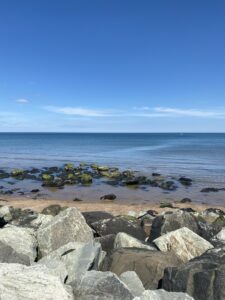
(200,156)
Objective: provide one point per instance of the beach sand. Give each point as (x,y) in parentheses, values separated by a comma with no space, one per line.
(108,206)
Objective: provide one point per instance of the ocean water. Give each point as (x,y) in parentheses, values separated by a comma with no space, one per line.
(200,156)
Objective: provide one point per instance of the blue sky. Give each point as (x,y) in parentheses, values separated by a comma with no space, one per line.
(112,65)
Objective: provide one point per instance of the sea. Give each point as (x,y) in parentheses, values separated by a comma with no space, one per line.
(200,156)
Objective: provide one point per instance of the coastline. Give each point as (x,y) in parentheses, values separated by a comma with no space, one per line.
(107,206)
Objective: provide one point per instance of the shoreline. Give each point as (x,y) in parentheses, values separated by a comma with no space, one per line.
(107,206)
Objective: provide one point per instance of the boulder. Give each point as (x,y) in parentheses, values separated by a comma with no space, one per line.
(108,197)
(202,278)
(100,286)
(133,282)
(22,217)
(124,240)
(107,242)
(184,242)
(221,236)
(149,265)
(17,245)
(55,267)
(40,220)
(68,226)
(5,213)
(119,224)
(77,258)
(94,216)
(33,282)
(53,210)
(163,295)
(171,221)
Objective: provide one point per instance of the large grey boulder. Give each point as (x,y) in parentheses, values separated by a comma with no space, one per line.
(124,240)
(76,257)
(68,226)
(19,282)
(184,242)
(133,282)
(41,220)
(96,285)
(220,236)
(17,245)
(163,295)
(149,265)
(119,224)
(172,220)
(201,277)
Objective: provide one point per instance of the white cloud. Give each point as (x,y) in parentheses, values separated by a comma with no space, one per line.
(190,112)
(78,111)
(22,101)
(141,108)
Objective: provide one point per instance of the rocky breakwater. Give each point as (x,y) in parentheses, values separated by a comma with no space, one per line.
(64,254)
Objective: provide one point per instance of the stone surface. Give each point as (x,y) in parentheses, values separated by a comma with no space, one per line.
(17,245)
(5,213)
(163,295)
(18,282)
(119,224)
(40,220)
(202,277)
(184,242)
(107,242)
(124,240)
(100,286)
(68,226)
(55,267)
(133,282)
(221,236)
(94,216)
(149,265)
(171,221)
(77,258)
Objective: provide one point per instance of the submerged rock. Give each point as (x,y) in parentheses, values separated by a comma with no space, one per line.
(185,181)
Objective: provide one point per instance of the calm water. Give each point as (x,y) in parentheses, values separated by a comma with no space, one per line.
(201,156)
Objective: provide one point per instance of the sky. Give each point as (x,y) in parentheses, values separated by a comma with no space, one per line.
(112,66)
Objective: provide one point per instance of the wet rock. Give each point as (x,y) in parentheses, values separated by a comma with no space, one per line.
(149,265)
(68,226)
(154,174)
(34,282)
(171,221)
(108,197)
(168,185)
(101,286)
(188,210)
(69,167)
(185,200)
(94,216)
(185,181)
(103,168)
(107,242)
(4,175)
(78,258)
(17,172)
(17,245)
(202,278)
(124,240)
(86,178)
(184,242)
(119,224)
(133,282)
(35,191)
(77,199)
(212,189)
(163,295)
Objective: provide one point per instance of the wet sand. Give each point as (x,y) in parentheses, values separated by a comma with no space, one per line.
(108,206)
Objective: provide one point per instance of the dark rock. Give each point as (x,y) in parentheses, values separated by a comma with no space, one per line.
(202,277)
(119,224)
(185,200)
(107,242)
(35,191)
(149,265)
(22,217)
(108,197)
(212,189)
(188,209)
(215,211)
(77,200)
(168,185)
(166,204)
(185,181)
(171,221)
(156,174)
(95,216)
